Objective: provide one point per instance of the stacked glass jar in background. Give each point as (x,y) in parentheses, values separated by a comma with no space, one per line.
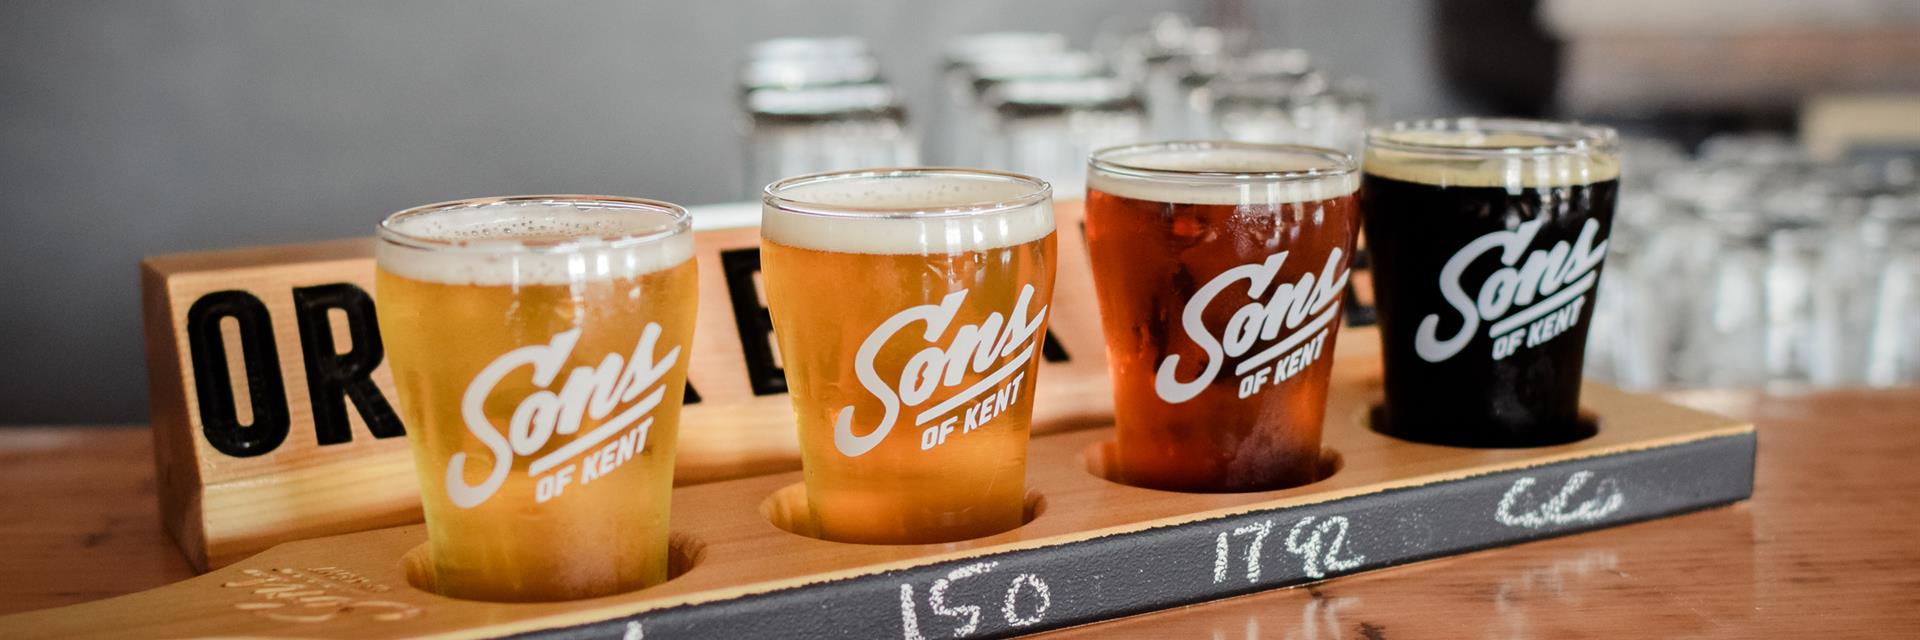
(1038,109)
(1754,266)
(819,104)
(1748,265)
(1029,102)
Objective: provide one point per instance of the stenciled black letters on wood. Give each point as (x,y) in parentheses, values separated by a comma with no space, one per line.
(213,383)
(764,375)
(1051,350)
(334,377)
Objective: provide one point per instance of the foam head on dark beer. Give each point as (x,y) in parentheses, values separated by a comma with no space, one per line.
(1469,157)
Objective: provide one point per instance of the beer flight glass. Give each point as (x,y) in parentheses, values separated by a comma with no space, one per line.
(909,307)
(539,348)
(1487,239)
(1220,269)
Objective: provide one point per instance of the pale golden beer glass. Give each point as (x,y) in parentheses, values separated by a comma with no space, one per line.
(539,345)
(910,306)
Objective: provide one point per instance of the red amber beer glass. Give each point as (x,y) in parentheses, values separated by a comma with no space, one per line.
(539,347)
(1488,237)
(910,306)
(1220,269)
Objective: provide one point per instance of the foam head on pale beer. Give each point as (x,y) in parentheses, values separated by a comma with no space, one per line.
(1488,237)
(933,211)
(537,241)
(539,347)
(1220,269)
(910,306)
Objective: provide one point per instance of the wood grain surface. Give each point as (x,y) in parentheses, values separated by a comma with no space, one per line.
(222,508)
(1829,546)
(1826,547)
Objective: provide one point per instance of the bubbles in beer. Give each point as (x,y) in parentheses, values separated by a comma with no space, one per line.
(538,242)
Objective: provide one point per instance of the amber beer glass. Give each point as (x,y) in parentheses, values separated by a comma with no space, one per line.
(1488,237)
(539,347)
(1220,269)
(910,306)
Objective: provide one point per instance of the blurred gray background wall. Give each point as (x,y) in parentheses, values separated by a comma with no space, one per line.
(137,127)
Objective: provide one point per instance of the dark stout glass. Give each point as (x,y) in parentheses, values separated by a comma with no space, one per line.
(1487,238)
(1220,268)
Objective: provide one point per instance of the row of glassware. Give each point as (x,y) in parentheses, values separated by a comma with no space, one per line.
(1749,264)
(1029,102)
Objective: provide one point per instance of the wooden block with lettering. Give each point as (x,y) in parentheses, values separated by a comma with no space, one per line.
(272,406)
(272,413)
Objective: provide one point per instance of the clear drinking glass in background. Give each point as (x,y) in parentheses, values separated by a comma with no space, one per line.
(1303,111)
(801,131)
(1754,265)
(1163,58)
(818,104)
(1047,128)
(1282,68)
(1893,335)
(803,63)
(974,119)
(801,47)
(971,65)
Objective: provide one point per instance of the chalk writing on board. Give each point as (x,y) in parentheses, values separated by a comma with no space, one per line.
(1314,563)
(1024,602)
(1320,543)
(1607,499)
(1221,550)
(1042,599)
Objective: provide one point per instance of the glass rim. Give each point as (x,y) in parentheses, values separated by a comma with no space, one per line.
(682,222)
(1040,191)
(1564,138)
(1342,163)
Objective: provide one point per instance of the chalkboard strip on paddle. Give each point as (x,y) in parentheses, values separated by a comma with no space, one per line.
(1007,594)
(1097,550)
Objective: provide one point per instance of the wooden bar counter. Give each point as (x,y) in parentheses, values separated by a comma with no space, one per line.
(1829,546)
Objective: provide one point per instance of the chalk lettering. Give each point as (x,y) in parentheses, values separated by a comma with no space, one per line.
(1607,499)
(1023,603)
(1314,563)
(1259,531)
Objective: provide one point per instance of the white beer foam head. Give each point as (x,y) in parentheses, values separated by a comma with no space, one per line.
(1512,154)
(907,211)
(1222,173)
(534,240)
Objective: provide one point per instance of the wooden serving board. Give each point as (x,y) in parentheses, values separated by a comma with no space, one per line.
(1096,550)
(272,403)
